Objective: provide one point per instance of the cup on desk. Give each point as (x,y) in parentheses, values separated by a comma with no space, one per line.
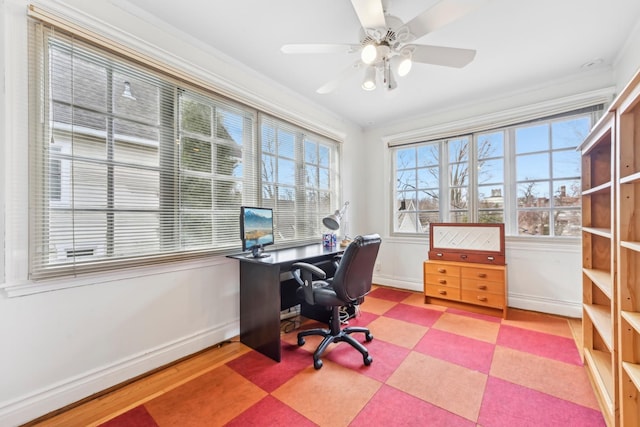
(329,240)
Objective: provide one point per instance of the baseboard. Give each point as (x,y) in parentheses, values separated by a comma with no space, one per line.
(400,284)
(546,305)
(522,301)
(44,401)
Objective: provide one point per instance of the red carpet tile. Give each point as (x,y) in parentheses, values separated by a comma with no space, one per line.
(431,366)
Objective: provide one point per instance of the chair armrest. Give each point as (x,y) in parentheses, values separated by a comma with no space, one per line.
(337,259)
(313,269)
(303,274)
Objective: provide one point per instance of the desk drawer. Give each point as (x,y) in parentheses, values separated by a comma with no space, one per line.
(483,298)
(442,292)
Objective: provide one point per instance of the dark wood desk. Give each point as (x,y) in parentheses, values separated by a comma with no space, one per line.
(260,293)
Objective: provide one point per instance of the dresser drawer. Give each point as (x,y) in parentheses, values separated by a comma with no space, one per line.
(482,285)
(442,292)
(483,298)
(492,275)
(440,280)
(441,269)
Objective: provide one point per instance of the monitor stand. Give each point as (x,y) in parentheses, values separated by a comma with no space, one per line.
(258,252)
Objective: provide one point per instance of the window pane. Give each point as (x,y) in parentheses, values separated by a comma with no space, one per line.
(459,174)
(312,176)
(286,172)
(533,223)
(136,98)
(532,166)
(196,193)
(428,155)
(458,216)
(491,171)
(567,193)
(426,218)
(533,194)
(406,158)
(490,145)
(286,144)
(196,155)
(490,197)
(566,163)
(428,178)
(324,155)
(458,150)
(196,117)
(458,198)
(406,179)
(325,178)
(491,217)
(531,139)
(570,133)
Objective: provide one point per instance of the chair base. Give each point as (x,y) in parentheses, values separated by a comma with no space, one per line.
(336,335)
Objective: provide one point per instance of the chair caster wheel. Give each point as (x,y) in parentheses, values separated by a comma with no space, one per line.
(368,360)
(300,341)
(368,336)
(318,364)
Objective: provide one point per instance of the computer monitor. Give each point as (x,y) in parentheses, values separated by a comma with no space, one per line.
(256,229)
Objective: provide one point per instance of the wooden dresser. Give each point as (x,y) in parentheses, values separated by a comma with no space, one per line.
(475,287)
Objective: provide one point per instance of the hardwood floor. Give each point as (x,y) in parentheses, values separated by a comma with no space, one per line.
(98,409)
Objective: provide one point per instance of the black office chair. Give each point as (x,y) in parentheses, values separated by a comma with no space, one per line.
(350,283)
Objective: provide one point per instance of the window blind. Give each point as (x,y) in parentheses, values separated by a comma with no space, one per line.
(129,166)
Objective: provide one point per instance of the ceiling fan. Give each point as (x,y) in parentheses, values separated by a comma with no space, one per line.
(386,45)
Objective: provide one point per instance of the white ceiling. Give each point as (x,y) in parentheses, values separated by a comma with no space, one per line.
(519,43)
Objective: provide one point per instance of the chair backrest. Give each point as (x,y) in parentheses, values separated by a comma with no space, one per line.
(352,279)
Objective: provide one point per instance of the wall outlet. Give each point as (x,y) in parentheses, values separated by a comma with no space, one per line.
(378,266)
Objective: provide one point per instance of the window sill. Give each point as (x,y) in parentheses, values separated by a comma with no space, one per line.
(32,287)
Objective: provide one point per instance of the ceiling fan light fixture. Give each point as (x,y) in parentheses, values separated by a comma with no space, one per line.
(404,66)
(369,53)
(369,82)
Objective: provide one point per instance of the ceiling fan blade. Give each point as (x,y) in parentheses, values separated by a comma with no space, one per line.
(331,85)
(441,14)
(319,48)
(370,13)
(440,55)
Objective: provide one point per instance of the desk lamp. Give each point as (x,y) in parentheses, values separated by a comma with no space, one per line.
(332,222)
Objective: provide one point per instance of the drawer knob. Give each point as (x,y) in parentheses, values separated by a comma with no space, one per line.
(442,270)
(442,292)
(483,287)
(442,281)
(482,298)
(482,275)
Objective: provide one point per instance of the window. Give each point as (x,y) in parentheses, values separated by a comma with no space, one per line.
(297,177)
(526,175)
(131,165)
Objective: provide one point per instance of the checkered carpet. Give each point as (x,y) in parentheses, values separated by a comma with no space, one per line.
(432,366)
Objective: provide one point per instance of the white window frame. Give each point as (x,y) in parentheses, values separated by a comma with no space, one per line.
(510,186)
